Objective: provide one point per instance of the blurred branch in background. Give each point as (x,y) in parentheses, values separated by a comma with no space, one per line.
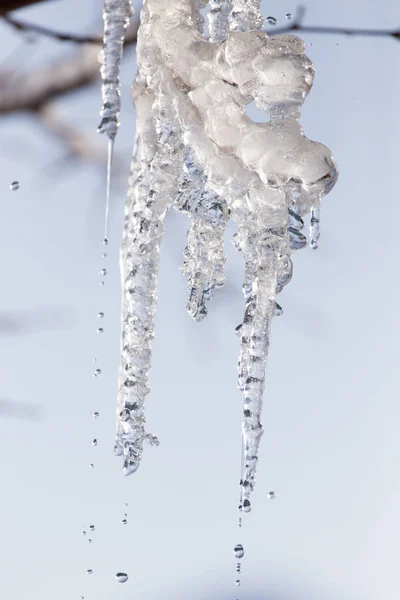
(20,410)
(9,5)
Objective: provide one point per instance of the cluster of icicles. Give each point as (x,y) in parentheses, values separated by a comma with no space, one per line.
(196,149)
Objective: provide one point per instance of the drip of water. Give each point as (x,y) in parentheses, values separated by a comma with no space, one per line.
(121,577)
(314,226)
(89,571)
(14,186)
(239,551)
(108,189)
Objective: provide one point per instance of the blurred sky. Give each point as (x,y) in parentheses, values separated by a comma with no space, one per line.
(331,446)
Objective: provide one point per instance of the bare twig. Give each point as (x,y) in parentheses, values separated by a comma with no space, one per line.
(57,35)
(9,5)
(297,26)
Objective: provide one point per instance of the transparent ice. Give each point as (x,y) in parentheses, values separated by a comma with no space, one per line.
(196,149)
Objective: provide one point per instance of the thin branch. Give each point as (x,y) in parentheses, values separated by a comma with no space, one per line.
(57,35)
(9,5)
(297,26)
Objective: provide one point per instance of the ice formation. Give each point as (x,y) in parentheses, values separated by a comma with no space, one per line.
(197,149)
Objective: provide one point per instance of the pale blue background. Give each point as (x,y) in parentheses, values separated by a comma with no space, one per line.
(331,448)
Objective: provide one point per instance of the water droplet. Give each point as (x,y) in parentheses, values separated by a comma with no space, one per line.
(14,186)
(240,521)
(89,571)
(95,442)
(246,506)
(83,532)
(95,415)
(100,315)
(100,330)
(289,16)
(89,541)
(237,582)
(238,567)
(239,551)
(91,465)
(104,255)
(124,521)
(121,577)
(271,495)
(95,359)
(103,272)
(101,283)
(272,21)
(105,242)
(92,528)
(97,373)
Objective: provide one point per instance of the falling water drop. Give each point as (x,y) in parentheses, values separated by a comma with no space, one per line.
(289,16)
(97,372)
(92,528)
(105,241)
(237,582)
(95,442)
(95,359)
(91,465)
(271,495)
(314,226)
(83,532)
(100,330)
(124,521)
(89,571)
(272,21)
(104,255)
(240,521)
(103,272)
(121,577)
(95,415)
(89,541)
(14,186)
(239,551)
(238,567)
(101,283)
(100,315)
(246,506)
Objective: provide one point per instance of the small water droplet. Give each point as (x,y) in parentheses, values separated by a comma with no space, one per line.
(272,21)
(95,442)
(238,567)
(104,255)
(105,242)
(91,465)
(103,272)
(92,528)
(237,582)
(289,16)
(97,373)
(100,330)
(124,521)
(89,541)
(271,495)
(95,359)
(83,532)
(101,283)
(121,577)
(100,315)
(95,415)
(14,186)
(246,505)
(89,571)
(240,521)
(239,551)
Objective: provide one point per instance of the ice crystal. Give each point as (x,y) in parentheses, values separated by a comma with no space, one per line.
(197,149)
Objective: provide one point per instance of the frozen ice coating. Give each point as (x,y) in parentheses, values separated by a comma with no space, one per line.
(197,149)
(116,15)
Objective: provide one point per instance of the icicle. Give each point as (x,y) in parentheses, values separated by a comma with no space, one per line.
(245,15)
(218,19)
(116,15)
(314,226)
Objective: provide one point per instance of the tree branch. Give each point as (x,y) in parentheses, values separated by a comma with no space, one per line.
(9,5)
(58,35)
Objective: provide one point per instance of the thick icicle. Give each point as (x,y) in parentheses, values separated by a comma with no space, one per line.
(116,15)
(191,96)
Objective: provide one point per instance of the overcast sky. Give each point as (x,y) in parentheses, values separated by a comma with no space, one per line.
(331,448)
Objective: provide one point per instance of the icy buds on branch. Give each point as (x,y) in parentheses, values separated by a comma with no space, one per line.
(196,146)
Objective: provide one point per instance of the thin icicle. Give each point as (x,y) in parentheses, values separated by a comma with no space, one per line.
(245,15)
(108,190)
(218,19)
(314,226)
(116,15)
